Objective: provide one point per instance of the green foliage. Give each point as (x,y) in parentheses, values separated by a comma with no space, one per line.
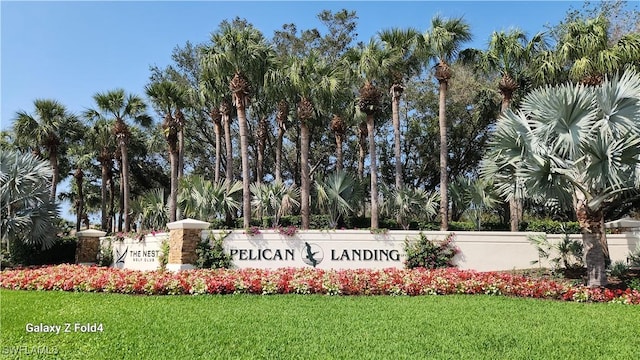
(211,254)
(422,252)
(634,258)
(28,212)
(163,259)
(566,254)
(62,250)
(619,269)
(550,226)
(105,255)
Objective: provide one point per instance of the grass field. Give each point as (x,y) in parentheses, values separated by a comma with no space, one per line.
(314,327)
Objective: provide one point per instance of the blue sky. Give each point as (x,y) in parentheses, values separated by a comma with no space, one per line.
(70,50)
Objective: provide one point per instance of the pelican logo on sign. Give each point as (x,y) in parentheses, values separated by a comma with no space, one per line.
(312,254)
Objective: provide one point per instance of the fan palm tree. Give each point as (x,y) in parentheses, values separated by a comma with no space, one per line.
(168,99)
(372,63)
(48,129)
(509,53)
(275,199)
(473,196)
(442,43)
(122,107)
(151,209)
(338,195)
(408,203)
(28,210)
(315,82)
(241,49)
(404,42)
(203,199)
(578,145)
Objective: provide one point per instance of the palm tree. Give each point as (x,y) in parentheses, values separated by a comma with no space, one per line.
(151,209)
(81,156)
(315,82)
(338,195)
(50,128)
(585,53)
(372,63)
(241,49)
(28,210)
(102,144)
(473,196)
(203,199)
(408,203)
(577,145)
(274,199)
(442,43)
(169,98)
(509,54)
(122,107)
(404,42)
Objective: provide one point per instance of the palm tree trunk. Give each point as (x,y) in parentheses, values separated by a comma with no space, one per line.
(374,172)
(53,159)
(244,155)
(515,213)
(339,155)
(362,149)
(444,155)
(395,115)
(515,203)
(226,119)
(173,196)
(304,178)
(279,154)
(180,153)
(78,175)
(104,222)
(595,243)
(125,186)
(217,129)
(262,135)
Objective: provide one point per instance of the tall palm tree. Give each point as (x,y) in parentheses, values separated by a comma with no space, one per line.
(442,43)
(168,99)
(372,63)
(101,142)
(49,128)
(404,42)
(122,107)
(315,81)
(578,145)
(241,49)
(81,156)
(508,53)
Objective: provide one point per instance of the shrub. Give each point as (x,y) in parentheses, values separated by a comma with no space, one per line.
(211,253)
(163,259)
(619,269)
(550,226)
(426,253)
(63,250)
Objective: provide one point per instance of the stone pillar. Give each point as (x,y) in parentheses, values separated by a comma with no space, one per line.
(184,237)
(88,246)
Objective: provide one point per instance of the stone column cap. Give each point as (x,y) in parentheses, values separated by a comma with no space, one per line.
(90,233)
(188,224)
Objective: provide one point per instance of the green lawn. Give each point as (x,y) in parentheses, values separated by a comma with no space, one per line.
(316,327)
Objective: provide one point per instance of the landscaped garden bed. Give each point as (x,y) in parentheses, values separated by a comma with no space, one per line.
(306,281)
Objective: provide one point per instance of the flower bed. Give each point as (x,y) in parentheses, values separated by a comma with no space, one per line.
(304,281)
